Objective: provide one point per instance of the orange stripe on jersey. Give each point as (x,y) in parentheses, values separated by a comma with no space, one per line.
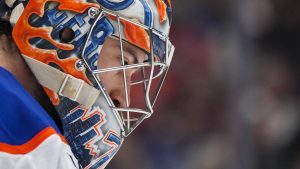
(31,144)
(162,10)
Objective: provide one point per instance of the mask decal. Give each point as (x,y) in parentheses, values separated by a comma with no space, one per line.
(148,13)
(95,144)
(23,32)
(115,6)
(101,31)
(137,36)
(162,10)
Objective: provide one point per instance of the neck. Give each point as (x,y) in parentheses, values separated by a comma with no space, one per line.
(12,61)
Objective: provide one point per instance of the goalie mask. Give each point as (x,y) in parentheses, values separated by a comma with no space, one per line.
(101,62)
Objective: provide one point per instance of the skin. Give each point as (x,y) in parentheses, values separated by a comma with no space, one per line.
(12,61)
(113,81)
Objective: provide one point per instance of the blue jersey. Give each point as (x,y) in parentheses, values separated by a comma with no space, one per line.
(29,138)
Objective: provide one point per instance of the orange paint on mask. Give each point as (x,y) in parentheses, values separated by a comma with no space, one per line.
(137,36)
(162,10)
(134,34)
(53,96)
(23,32)
(169,1)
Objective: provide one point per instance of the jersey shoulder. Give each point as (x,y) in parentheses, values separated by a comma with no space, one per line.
(29,138)
(21,116)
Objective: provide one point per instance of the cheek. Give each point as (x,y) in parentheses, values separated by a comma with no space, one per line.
(106,80)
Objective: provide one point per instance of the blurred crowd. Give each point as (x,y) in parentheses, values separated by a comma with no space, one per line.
(232,96)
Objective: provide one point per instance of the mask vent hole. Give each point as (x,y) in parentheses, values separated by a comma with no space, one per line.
(66,35)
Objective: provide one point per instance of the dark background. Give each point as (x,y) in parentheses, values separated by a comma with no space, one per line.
(231,99)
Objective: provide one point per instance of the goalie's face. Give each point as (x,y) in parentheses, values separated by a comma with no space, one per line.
(113,81)
(128,62)
(115,61)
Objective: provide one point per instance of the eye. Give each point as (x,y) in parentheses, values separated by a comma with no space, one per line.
(128,58)
(126,62)
(146,59)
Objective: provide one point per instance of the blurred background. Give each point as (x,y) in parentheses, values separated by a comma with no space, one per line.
(231,99)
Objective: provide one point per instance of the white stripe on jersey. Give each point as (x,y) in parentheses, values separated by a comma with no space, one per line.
(52,153)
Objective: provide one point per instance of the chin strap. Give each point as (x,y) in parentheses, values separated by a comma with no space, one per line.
(63,84)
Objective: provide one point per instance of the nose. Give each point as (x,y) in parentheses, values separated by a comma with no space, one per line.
(119,98)
(117,92)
